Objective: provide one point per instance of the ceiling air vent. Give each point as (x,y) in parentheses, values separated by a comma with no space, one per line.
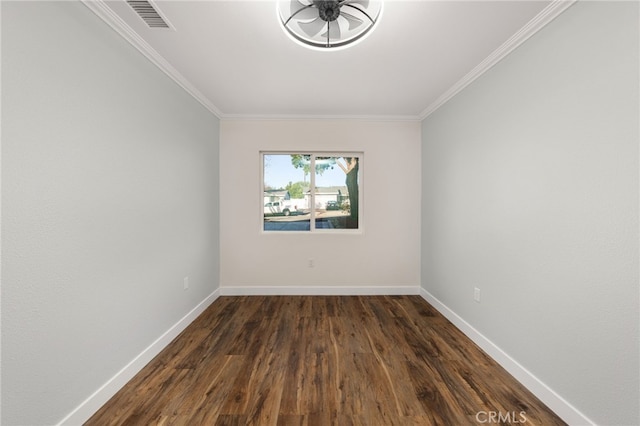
(149,13)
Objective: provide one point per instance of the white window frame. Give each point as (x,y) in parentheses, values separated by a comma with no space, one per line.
(312,220)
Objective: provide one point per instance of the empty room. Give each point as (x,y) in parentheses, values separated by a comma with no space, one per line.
(337,212)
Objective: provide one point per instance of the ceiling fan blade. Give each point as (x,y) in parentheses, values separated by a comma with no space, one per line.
(343,24)
(307,14)
(312,28)
(334,31)
(296,5)
(363,3)
(353,21)
(302,12)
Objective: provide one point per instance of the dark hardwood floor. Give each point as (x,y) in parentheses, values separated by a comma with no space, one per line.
(323,360)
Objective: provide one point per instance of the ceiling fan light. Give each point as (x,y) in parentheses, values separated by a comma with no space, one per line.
(328,24)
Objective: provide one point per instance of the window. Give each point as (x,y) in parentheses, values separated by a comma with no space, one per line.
(311,192)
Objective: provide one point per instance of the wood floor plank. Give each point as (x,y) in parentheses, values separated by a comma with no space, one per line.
(203,394)
(348,334)
(230,420)
(391,360)
(321,360)
(266,393)
(306,379)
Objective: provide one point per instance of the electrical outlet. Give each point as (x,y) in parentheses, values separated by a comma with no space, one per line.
(186,283)
(311,263)
(476,294)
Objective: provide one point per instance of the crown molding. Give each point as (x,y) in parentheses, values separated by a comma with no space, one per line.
(543,18)
(104,12)
(302,117)
(548,14)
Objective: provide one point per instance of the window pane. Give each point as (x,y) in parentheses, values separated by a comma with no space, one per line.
(286,196)
(337,192)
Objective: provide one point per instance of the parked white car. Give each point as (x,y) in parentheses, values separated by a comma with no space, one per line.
(276,208)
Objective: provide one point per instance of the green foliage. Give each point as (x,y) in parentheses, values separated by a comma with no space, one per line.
(301,162)
(304,162)
(296,190)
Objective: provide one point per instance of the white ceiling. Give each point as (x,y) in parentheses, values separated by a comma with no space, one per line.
(236,59)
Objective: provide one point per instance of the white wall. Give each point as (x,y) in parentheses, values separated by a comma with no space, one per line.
(530,192)
(109,198)
(384,257)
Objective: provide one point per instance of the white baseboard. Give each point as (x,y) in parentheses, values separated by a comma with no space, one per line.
(318,290)
(555,402)
(84,411)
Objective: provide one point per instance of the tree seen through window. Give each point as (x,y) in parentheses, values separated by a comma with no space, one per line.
(295,199)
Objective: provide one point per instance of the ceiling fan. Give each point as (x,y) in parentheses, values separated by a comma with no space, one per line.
(328,24)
